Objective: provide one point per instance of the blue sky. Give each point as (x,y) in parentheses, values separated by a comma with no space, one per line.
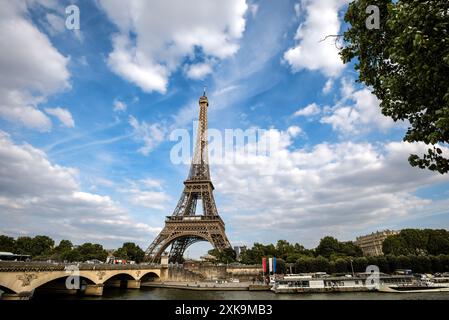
(86,116)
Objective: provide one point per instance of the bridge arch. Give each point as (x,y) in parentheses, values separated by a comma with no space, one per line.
(150,276)
(120,276)
(119,280)
(59,283)
(42,280)
(6,289)
(19,282)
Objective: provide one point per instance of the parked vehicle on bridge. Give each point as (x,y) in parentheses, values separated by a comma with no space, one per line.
(114,260)
(9,256)
(94,261)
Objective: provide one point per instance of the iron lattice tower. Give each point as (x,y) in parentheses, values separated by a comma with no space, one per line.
(184,227)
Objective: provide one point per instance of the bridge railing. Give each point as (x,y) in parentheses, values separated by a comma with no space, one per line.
(9,266)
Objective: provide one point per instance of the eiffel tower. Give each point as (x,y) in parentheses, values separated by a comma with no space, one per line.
(184,227)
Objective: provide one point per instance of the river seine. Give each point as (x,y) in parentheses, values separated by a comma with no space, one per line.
(178,294)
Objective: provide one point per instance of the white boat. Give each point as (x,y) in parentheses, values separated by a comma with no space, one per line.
(413,288)
(325,283)
(309,284)
(424,285)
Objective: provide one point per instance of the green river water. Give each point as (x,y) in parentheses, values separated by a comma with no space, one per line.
(179,294)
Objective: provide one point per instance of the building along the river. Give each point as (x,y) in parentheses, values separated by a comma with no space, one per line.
(371,244)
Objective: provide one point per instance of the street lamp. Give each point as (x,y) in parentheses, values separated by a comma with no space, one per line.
(352,268)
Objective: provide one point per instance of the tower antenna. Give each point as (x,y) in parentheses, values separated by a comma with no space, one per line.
(204,90)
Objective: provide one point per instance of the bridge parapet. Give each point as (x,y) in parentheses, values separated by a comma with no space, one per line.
(8,266)
(24,277)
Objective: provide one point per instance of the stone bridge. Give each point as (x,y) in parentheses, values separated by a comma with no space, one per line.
(19,280)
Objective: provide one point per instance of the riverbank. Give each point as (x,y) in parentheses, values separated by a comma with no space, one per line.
(207,286)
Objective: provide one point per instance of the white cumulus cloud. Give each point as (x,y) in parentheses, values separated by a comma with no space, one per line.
(338,189)
(150,134)
(39,197)
(149,47)
(357,111)
(63,115)
(31,69)
(311,110)
(146,193)
(198,71)
(328,86)
(321,20)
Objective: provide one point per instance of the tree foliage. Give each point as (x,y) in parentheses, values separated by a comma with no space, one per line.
(387,264)
(7,244)
(35,247)
(224,256)
(24,245)
(406,63)
(90,251)
(327,247)
(41,245)
(420,250)
(62,250)
(282,250)
(417,242)
(330,247)
(64,246)
(42,248)
(130,251)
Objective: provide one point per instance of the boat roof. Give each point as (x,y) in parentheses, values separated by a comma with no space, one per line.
(343,278)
